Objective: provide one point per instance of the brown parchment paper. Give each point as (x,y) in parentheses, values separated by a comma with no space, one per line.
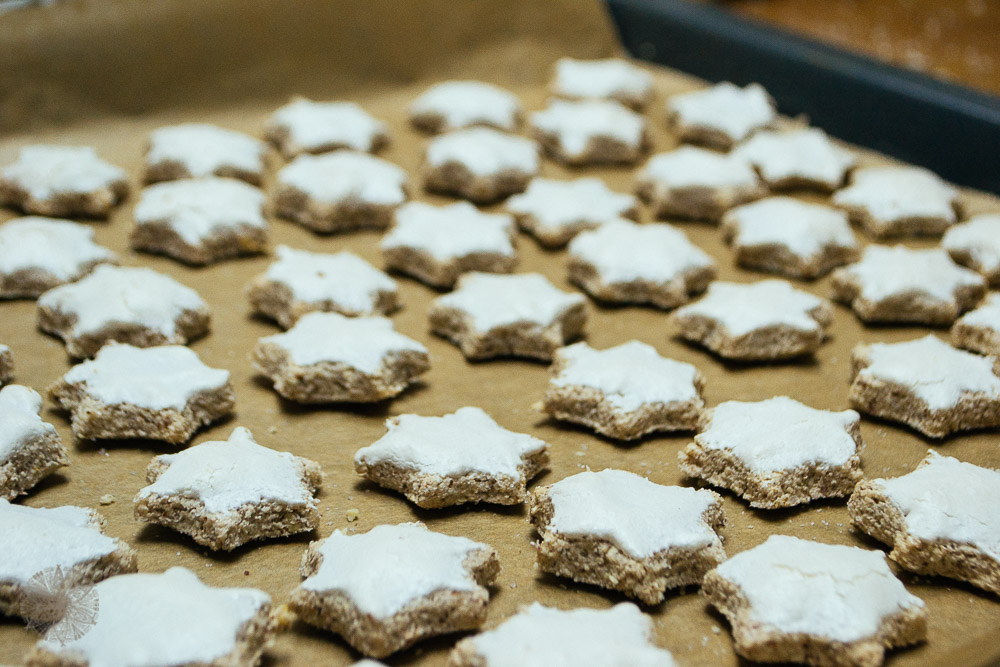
(106,73)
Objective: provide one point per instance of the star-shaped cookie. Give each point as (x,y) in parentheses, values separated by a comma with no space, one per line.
(555,211)
(790,237)
(329,358)
(198,150)
(62,181)
(304,126)
(900,284)
(37,254)
(795,600)
(590,132)
(625,262)
(721,115)
(67,543)
(200,221)
(340,191)
(166,619)
(30,449)
(455,105)
(301,282)
(479,164)
(798,158)
(540,636)
(395,585)
(436,244)
(695,183)
(926,384)
(606,79)
(891,202)
(776,453)
(431,462)
(941,519)
(624,392)
(521,315)
(979,330)
(131,305)
(763,321)
(620,531)
(226,493)
(976,243)
(160,393)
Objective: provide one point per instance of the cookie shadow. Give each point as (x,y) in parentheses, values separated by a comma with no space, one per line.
(164,536)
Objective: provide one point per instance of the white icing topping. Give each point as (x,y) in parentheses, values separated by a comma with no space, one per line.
(544,637)
(59,247)
(383,570)
(799,586)
(468,440)
(623,251)
(227,474)
(804,229)
(131,295)
(204,149)
(151,620)
(452,231)
(556,205)
(780,434)
(497,300)
(805,153)
(947,499)
(743,308)
(727,108)
(576,124)
(362,343)
(335,177)
(896,193)
(37,539)
(987,315)
(689,166)
(629,375)
(891,271)
(467,103)
(597,79)
(638,516)
(44,171)
(19,408)
(934,371)
(980,238)
(313,126)
(484,151)
(157,378)
(197,208)
(343,278)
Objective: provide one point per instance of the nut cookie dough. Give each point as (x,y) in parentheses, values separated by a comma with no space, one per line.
(479,164)
(975,243)
(456,105)
(200,150)
(590,132)
(305,126)
(30,449)
(6,365)
(606,79)
(979,330)
(722,115)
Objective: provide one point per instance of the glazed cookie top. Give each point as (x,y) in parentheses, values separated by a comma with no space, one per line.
(889,271)
(44,171)
(204,149)
(195,208)
(342,175)
(610,78)
(557,204)
(836,592)
(804,229)
(742,308)
(157,378)
(629,375)
(383,570)
(934,371)
(640,517)
(343,278)
(363,343)
(806,154)
(441,445)
(19,408)
(575,125)
(113,294)
(467,103)
(897,193)
(320,126)
(491,300)
(690,167)
(979,237)
(484,151)
(228,474)
(735,112)
(172,616)
(986,315)
(59,247)
(451,231)
(780,434)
